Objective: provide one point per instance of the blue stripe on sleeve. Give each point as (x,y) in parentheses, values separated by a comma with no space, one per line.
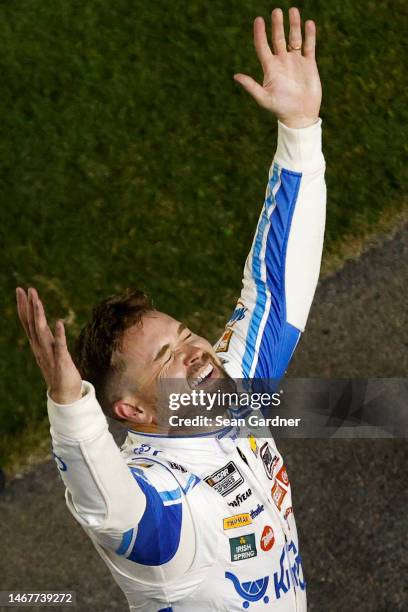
(158,532)
(279,338)
(258,311)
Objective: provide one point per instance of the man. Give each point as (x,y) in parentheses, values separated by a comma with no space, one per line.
(205,521)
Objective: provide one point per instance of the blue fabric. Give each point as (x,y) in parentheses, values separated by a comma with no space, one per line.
(258,311)
(158,532)
(279,338)
(126,540)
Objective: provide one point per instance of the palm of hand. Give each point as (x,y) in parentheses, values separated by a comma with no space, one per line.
(291,86)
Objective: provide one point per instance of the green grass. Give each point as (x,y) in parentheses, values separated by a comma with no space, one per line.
(130,157)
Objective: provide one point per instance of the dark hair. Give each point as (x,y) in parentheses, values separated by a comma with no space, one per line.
(103,335)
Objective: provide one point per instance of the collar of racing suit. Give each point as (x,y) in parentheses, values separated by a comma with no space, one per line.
(222,441)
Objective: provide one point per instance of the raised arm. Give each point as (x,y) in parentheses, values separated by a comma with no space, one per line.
(101,491)
(282,268)
(123,508)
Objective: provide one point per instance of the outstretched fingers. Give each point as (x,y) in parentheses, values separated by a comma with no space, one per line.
(32,316)
(278,33)
(44,335)
(22,309)
(295,29)
(252,87)
(262,48)
(51,352)
(60,344)
(310,39)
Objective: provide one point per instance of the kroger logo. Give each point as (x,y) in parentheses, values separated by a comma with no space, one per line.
(251,591)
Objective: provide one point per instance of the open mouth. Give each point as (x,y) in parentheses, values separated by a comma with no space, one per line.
(207,373)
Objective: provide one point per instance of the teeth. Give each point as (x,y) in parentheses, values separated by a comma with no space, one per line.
(204,373)
(207,371)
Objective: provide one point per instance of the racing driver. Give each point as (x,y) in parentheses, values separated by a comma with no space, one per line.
(202,521)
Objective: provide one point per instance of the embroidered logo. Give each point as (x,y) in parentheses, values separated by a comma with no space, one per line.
(250,591)
(239,498)
(224,341)
(269,460)
(253,444)
(282,475)
(267,538)
(278,493)
(243,547)
(226,479)
(176,466)
(239,520)
(238,314)
(288,511)
(254,513)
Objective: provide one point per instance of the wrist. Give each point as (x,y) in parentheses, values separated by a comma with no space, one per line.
(300,150)
(81,420)
(298,122)
(67,397)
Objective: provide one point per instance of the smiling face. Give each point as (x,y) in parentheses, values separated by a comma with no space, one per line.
(160,352)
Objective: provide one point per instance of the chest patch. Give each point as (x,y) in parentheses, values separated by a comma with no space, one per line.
(243,547)
(269,459)
(226,479)
(267,538)
(238,520)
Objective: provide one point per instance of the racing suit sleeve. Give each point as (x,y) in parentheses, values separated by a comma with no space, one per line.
(117,503)
(282,268)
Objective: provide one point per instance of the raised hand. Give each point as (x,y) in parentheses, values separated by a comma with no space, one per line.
(51,352)
(291,86)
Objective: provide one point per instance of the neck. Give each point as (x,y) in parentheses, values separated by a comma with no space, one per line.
(185,426)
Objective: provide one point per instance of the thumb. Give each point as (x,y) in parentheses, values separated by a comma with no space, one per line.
(252,87)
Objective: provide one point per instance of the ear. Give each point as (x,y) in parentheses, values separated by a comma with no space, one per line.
(133,409)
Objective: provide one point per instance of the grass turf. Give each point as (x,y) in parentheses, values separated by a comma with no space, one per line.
(130,157)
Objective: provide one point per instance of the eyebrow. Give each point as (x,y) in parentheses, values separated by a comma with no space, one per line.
(165,347)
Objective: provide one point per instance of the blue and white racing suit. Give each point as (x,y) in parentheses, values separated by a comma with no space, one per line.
(206,522)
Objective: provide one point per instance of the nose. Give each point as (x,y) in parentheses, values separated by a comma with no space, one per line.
(192,354)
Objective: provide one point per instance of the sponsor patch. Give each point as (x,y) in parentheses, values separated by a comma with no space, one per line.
(238,314)
(254,513)
(253,445)
(287,512)
(239,520)
(278,493)
(250,590)
(224,342)
(176,466)
(267,538)
(241,454)
(226,479)
(239,498)
(243,547)
(282,475)
(145,448)
(269,459)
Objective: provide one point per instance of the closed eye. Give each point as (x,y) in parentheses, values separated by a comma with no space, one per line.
(169,359)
